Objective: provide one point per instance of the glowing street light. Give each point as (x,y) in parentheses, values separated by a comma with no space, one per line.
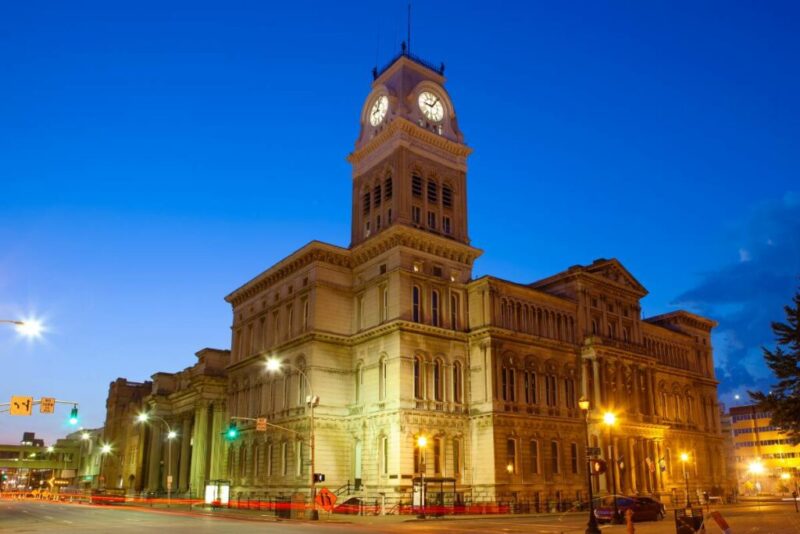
(144,417)
(756,468)
(610,419)
(30,328)
(422,442)
(85,436)
(685,458)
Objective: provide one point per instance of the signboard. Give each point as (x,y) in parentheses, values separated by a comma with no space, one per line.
(20,405)
(47,405)
(593,452)
(325,499)
(61,482)
(261,424)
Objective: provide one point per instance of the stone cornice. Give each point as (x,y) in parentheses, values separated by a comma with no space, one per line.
(399,235)
(312,252)
(405,127)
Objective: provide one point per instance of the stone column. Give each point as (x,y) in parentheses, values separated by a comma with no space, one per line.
(217,446)
(596,381)
(183,470)
(154,459)
(659,473)
(632,462)
(199,451)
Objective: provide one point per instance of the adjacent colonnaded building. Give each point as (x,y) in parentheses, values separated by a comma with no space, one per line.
(398,341)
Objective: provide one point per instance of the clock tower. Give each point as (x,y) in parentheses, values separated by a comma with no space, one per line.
(410,160)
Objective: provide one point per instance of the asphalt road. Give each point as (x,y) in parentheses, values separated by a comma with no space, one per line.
(45,517)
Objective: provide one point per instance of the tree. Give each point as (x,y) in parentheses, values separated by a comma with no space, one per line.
(784,399)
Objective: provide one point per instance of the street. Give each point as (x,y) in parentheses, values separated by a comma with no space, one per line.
(40,516)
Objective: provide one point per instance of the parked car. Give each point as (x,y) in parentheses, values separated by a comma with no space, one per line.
(107,496)
(644,509)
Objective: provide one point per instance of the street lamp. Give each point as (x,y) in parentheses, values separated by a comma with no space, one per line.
(274,365)
(31,328)
(171,434)
(422,442)
(786,477)
(591,526)
(684,459)
(756,468)
(105,449)
(610,419)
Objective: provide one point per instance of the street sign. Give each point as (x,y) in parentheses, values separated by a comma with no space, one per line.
(47,405)
(325,499)
(593,452)
(20,405)
(261,424)
(61,482)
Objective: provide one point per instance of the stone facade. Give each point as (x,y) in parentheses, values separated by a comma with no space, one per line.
(192,403)
(398,341)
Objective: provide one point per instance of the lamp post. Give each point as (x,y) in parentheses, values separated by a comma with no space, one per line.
(273,365)
(591,526)
(756,468)
(171,434)
(422,442)
(81,457)
(684,459)
(610,419)
(105,449)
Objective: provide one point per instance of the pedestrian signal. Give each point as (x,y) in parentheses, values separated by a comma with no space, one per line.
(598,467)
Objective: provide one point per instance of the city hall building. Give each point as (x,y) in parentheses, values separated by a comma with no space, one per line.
(393,339)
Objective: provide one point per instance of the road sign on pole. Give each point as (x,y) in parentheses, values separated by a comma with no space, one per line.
(20,405)
(261,424)
(47,405)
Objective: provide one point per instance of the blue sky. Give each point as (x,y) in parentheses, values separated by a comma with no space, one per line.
(150,156)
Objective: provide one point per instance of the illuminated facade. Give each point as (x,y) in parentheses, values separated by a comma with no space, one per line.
(399,341)
(766,460)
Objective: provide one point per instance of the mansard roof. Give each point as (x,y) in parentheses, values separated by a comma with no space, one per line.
(602,271)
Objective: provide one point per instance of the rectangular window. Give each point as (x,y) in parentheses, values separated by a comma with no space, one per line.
(435,317)
(551,392)
(276,328)
(416,186)
(415,305)
(446,225)
(384,303)
(530,387)
(366,203)
(378,223)
(305,315)
(437,456)
(534,457)
(569,391)
(454,312)
(432,220)
(298,458)
(284,459)
(289,321)
(555,461)
(269,460)
(573,449)
(511,456)
(376,196)
(384,455)
(387,188)
(361,312)
(456,458)
(416,214)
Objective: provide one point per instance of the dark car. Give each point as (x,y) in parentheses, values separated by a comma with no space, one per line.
(107,496)
(644,509)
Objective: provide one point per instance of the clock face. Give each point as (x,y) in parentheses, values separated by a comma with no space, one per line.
(378,110)
(431,106)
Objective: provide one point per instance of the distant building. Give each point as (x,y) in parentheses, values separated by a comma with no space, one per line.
(89,443)
(757,443)
(192,403)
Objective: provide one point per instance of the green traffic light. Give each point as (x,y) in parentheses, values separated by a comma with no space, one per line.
(232,432)
(73,416)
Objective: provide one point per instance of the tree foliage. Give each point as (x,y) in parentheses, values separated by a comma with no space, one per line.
(783,401)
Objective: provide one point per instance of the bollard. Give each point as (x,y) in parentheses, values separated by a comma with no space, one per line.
(629,521)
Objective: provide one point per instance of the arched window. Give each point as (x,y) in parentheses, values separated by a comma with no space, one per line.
(416,185)
(416,298)
(509,382)
(418,388)
(458,386)
(535,466)
(555,459)
(457,458)
(569,392)
(435,317)
(366,202)
(438,380)
(550,390)
(530,387)
(433,192)
(376,195)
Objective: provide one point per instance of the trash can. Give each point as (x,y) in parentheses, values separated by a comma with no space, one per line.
(689,520)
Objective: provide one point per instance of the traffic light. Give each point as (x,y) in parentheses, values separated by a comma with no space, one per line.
(232,432)
(598,467)
(73,416)
(319,477)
